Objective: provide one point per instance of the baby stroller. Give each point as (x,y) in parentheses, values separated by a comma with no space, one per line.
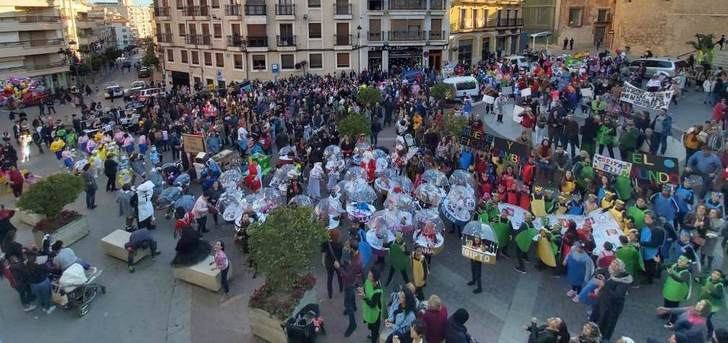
(167,198)
(305,325)
(77,293)
(170,171)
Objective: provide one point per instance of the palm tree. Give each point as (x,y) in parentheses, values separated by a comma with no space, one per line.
(704,47)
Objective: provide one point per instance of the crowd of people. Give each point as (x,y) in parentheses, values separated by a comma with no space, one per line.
(675,229)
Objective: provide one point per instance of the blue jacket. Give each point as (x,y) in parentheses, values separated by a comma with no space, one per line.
(684,199)
(466,160)
(665,207)
(651,242)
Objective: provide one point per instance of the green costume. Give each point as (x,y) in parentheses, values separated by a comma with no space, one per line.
(605,136)
(630,255)
(623,186)
(638,216)
(524,236)
(677,284)
(398,256)
(371,312)
(502,228)
(489,212)
(714,293)
(586,172)
(71,139)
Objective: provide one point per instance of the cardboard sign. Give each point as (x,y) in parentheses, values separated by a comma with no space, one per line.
(517,111)
(507,90)
(478,254)
(643,98)
(611,165)
(587,92)
(656,169)
(526,92)
(475,139)
(192,144)
(511,151)
(488,99)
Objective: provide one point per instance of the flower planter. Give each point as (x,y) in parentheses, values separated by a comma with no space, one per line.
(267,327)
(27,217)
(69,233)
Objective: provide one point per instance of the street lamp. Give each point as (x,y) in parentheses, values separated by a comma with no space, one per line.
(358,46)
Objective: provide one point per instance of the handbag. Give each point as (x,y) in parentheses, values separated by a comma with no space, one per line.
(59,297)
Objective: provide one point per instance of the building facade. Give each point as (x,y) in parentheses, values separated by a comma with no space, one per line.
(588,22)
(540,15)
(141,21)
(480,29)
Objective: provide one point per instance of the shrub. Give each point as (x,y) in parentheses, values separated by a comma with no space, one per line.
(353,125)
(442,91)
(454,124)
(368,96)
(49,195)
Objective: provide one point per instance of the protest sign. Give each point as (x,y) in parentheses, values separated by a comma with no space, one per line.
(488,99)
(526,92)
(587,92)
(656,169)
(475,139)
(611,165)
(510,151)
(507,90)
(193,144)
(643,98)
(517,110)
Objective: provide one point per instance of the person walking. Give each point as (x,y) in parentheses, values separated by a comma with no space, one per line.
(523,239)
(677,284)
(713,291)
(372,304)
(351,275)
(476,268)
(420,271)
(221,263)
(110,168)
(12,270)
(571,43)
(610,300)
(566,43)
(435,319)
(91,186)
(331,260)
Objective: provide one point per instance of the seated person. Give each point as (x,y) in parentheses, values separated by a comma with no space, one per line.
(190,248)
(64,257)
(139,239)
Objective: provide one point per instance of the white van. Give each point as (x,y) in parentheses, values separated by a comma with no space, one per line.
(113,91)
(145,94)
(522,61)
(654,65)
(464,85)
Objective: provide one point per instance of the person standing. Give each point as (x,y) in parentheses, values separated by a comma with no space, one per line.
(139,239)
(420,271)
(652,238)
(221,263)
(523,238)
(435,319)
(662,128)
(398,259)
(330,259)
(16,181)
(40,285)
(498,105)
(677,284)
(90,182)
(571,43)
(351,275)
(566,43)
(110,168)
(579,269)
(713,291)
(200,211)
(721,41)
(610,298)
(372,304)
(476,268)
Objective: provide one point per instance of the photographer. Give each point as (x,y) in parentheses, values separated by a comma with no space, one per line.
(554,331)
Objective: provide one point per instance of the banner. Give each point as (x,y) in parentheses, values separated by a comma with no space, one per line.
(507,90)
(656,169)
(193,144)
(611,165)
(475,139)
(586,92)
(526,92)
(643,98)
(510,151)
(488,99)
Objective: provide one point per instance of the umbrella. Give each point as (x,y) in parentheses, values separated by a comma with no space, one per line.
(429,194)
(429,239)
(479,229)
(283,152)
(265,200)
(282,176)
(435,177)
(378,238)
(333,152)
(301,200)
(429,215)
(459,204)
(360,212)
(401,201)
(186,201)
(462,178)
(230,178)
(360,191)
(393,220)
(381,165)
(354,173)
(379,153)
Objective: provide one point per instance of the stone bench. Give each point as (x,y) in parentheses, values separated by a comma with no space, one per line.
(201,274)
(113,245)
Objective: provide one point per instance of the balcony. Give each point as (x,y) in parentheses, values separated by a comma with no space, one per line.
(38,19)
(342,9)
(164,38)
(285,10)
(236,41)
(30,23)
(233,10)
(31,47)
(257,41)
(377,36)
(256,9)
(46,68)
(342,39)
(509,22)
(407,5)
(375,5)
(286,40)
(50,65)
(196,11)
(400,36)
(437,5)
(161,11)
(198,39)
(436,35)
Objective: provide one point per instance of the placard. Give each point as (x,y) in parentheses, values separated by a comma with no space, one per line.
(656,169)
(643,98)
(510,151)
(488,99)
(478,255)
(611,165)
(587,92)
(192,144)
(517,111)
(475,139)
(507,90)
(526,92)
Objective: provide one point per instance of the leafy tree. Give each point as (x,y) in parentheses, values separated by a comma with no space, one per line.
(283,245)
(354,124)
(368,96)
(454,124)
(49,195)
(442,91)
(111,54)
(150,57)
(705,47)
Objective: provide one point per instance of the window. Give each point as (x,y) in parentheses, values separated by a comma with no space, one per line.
(315,61)
(474,22)
(181,28)
(603,15)
(195,57)
(183,54)
(314,30)
(192,29)
(342,60)
(463,12)
(170,55)
(208,58)
(575,14)
(180,4)
(219,60)
(215,3)
(238,61)
(314,3)
(217,29)
(258,62)
(287,61)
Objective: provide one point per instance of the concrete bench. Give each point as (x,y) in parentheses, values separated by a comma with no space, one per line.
(113,245)
(201,274)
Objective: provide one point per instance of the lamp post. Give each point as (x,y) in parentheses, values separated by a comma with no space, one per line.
(358,47)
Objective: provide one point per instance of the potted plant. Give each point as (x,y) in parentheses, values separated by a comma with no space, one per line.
(46,199)
(368,96)
(353,125)
(442,91)
(282,248)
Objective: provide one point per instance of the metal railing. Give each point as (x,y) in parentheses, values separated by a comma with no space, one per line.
(196,11)
(342,39)
(436,35)
(33,43)
(342,9)
(375,36)
(285,9)
(406,35)
(198,39)
(257,41)
(505,22)
(38,19)
(255,9)
(164,38)
(233,9)
(46,65)
(236,41)
(407,4)
(286,40)
(161,11)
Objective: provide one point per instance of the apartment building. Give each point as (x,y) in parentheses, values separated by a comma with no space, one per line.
(398,34)
(480,29)
(141,21)
(588,22)
(31,36)
(216,42)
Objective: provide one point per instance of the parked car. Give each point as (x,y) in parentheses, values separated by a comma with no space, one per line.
(144,72)
(523,62)
(654,65)
(463,85)
(148,93)
(113,91)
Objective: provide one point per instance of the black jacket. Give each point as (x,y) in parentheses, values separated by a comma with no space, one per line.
(110,167)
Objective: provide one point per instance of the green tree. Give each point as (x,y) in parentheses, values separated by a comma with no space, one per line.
(111,54)
(368,96)
(354,124)
(442,91)
(704,47)
(150,57)
(283,246)
(454,124)
(49,195)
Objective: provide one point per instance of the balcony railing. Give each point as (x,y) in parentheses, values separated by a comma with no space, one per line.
(342,39)
(236,41)
(375,5)
(375,36)
(46,65)
(406,35)
(285,9)
(255,9)
(342,9)
(164,38)
(286,40)
(38,19)
(198,39)
(196,11)
(437,5)
(233,9)
(257,41)
(161,11)
(435,35)
(506,22)
(407,4)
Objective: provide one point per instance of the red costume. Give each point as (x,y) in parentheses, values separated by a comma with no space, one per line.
(251,180)
(370,167)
